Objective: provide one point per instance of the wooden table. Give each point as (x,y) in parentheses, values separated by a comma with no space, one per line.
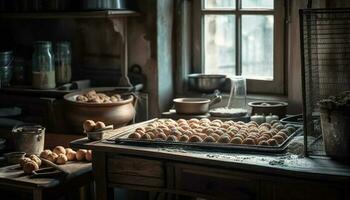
(13,179)
(214,175)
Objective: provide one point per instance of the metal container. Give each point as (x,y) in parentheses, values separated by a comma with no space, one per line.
(335,129)
(194,106)
(6,69)
(206,82)
(29,138)
(266,107)
(117,114)
(105,4)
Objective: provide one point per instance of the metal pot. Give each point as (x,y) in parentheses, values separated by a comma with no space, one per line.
(206,82)
(118,114)
(29,138)
(195,106)
(266,107)
(105,4)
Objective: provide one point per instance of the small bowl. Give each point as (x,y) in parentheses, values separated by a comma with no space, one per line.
(14,157)
(98,134)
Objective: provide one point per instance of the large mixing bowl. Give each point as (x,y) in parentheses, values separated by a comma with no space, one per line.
(119,114)
(207,83)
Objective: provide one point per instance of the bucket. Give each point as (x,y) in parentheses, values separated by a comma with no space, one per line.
(335,129)
(29,138)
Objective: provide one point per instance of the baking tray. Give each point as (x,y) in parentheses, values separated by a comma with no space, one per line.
(124,140)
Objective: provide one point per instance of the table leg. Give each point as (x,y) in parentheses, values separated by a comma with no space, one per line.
(37,194)
(100,175)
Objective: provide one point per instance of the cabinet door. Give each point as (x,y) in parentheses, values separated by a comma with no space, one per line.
(215,184)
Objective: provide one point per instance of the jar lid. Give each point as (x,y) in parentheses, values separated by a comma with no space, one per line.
(43,43)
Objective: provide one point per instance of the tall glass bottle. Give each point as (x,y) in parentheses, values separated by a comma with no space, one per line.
(63,63)
(43,69)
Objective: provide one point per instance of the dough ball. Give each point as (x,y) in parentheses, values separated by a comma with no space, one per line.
(215,136)
(35,159)
(89,125)
(278,138)
(23,161)
(195,138)
(134,135)
(161,136)
(264,143)
(52,157)
(71,155)
(88,155)
(30,166)
(59,150)
(172,138)
(249,141)
(146,136)
(61,159)
(99,125)
(68,149)
(236,140)
(284,135)
(81,98)
(209,139)
(80,155)
(224,139)
(272,142)
(44,154)
(184,138)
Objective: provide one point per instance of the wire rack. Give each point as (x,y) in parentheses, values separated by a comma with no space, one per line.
(325,51)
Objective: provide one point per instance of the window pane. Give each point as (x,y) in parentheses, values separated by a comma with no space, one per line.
(257,4)
(257,46)
(219,44)
(219,4)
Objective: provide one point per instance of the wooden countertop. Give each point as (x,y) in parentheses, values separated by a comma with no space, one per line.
(13,175)
(287,165)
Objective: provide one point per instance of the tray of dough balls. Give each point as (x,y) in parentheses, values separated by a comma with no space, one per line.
(270,137)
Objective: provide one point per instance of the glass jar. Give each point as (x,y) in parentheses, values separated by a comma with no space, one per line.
(63,63)
(43,70)
(238,93)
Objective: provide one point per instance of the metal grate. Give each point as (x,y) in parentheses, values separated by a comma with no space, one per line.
(325,49)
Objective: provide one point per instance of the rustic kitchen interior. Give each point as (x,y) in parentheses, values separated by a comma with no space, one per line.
(174,99)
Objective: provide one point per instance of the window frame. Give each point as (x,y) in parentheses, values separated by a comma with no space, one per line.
(277,85)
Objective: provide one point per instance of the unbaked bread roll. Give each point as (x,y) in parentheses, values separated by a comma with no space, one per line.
(89,125)
(35,159)
(44,154)
(30,166)
(59,150)
(99,125)
(71,155)
(80,155)
(22,161)
(61,159)
(88,155)
(52,157)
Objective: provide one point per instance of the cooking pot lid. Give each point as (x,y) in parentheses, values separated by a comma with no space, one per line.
(28,129)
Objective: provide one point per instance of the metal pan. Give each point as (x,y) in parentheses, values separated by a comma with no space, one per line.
(123,139)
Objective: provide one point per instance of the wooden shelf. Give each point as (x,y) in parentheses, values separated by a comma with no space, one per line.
(65,15)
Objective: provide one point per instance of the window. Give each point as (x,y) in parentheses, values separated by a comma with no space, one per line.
(241,37)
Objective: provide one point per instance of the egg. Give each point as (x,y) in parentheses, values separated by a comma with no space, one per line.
(236,140)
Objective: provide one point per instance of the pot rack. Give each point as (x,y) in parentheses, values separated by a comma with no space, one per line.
(118,18)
